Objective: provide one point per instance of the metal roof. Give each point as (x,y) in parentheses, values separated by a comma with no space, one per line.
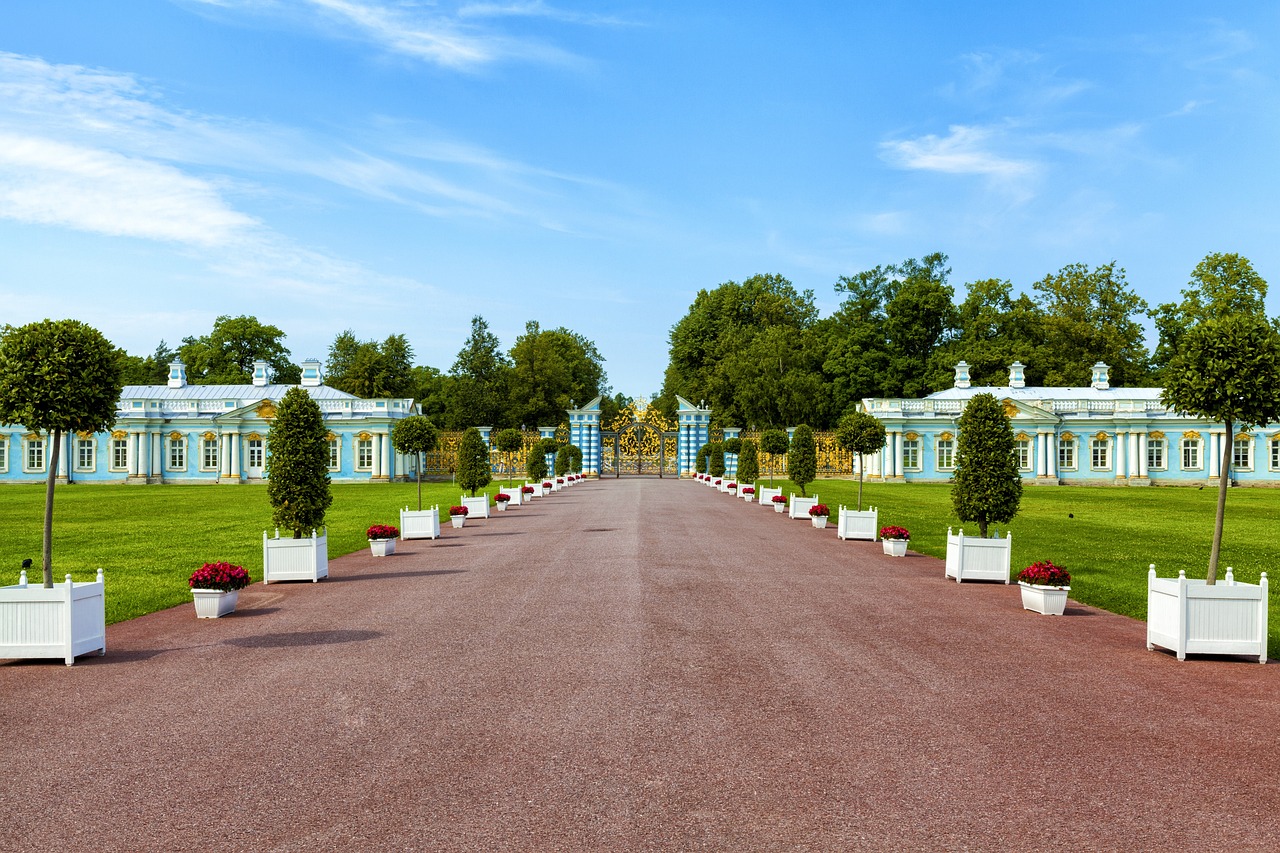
(246,393)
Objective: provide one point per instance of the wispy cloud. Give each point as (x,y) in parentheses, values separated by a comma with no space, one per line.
(538,9)
(964,151)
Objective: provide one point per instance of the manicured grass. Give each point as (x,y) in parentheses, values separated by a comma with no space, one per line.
(149,539)
(1105,537)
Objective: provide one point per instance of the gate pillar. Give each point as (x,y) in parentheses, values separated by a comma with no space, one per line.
(584,433)
(695,431)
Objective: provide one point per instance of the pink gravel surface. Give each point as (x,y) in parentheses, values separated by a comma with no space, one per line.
(637,665)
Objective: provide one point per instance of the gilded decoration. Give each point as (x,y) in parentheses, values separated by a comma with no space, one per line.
(642,446)
(366,436)
(1244,436)
(945,436)
(119,433)
(1158,435)
(1191,435)
(266,410)
(1010,410)
(330,437)
(1022,436)
(1067,436)
(1102,436)
(253,436)
(210,436)
(912,436)
(175,436)
(84,433)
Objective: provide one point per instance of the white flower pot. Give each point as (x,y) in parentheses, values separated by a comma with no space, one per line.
(295,559)
(972,558)
(62,622)
(382,547)
(212,603)
(819,521)
(777,507)
(1191,617)
(457,520)
(1048,600)
(748,498)
(420,523)
(895,547)
(502,506)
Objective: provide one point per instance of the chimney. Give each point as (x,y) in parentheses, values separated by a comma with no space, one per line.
(962,375)
(259,373)
(1100,380)
(1016,379)
(310,373)
(177,374)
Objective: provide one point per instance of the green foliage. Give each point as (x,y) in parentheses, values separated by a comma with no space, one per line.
(575,458)
(482,376)
(715,458)
(57,376)
(1090,316)
(702,462)
(369,369)
(550,369)
(774,442)
(987,485)
(733,445)
(994,329)
(298,464)
(473,461)
(226,355)
(564,460)
(748,462)
(536,464)
(152,370)
(415,435)
(802,459)
(862,434)
(508,442)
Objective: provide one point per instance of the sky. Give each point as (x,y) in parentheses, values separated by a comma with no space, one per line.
(397,167)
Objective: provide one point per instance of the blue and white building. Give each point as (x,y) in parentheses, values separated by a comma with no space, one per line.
(1093,435)
(181,433)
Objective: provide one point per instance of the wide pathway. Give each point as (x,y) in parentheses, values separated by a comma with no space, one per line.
(637,665)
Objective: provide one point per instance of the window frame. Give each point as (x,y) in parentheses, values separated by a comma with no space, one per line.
(36,445)
(79,447)
(1160,446)
(1100,447)
(207,446)
(1191,446)
(1274,445)
(1247,445)
(946,450)
(118,445)
(363,445)
(4,453)
(911,456)
(1067,458)
(176,448)
(1022,453)
(335,453)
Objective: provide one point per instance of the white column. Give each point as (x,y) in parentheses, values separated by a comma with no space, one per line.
(157,455)
(1120,463)
(131,453)
(1211,447)
(1142,456)
(1134,462)
(1042,465)
(235,456)
(897,454)
(388,455)
(1051,460)
(377,456)
(224,455)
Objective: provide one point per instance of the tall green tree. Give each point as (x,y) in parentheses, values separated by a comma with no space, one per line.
(1091,316)
(748,462)
(715,458)
(298,464)
(57,377)
(702,461)
(481,381)
(987,488)
(415,434)
(151,370)
(862,434)
(226,355)
(370,369)
(473,461)
(802,459)
(508,441)
(775,442)
(550,369)
(994,329)
(1227,369)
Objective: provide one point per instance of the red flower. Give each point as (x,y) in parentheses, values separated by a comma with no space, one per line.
(1045,574)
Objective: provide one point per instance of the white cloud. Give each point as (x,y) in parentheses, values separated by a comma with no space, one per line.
(965,151)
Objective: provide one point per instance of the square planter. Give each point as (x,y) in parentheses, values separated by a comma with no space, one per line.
(779,507)
(857,524)
(895,547)
(1048,600)
(765,495)
(420,523)
(212,603)
(819,521)
(457,521)
(501,505)
(477,507)
(517,496)
(1191,617)
(295,559)
(62,622)
(972,558)
(800,506)
(382,547)
(747,497)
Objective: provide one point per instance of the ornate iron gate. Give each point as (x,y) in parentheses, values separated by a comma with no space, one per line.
(642,442)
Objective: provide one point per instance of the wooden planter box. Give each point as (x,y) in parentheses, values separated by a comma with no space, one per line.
(420,523)
(63,622)
(295,559)
(972,558)
(1191,617)
(765,495)
(517,497)
(800,506)
(1045,600)
(477,507)
(382,547)
(855,524)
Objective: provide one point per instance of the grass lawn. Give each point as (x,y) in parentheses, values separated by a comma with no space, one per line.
(149,540)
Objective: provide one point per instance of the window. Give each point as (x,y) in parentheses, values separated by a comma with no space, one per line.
(209,453)
(255,453)
(119,454)
(364,454)
(1098,447)
(35,454)
(1190,454)
(946,454)
(1067,453)
(4,453)
(86,454)
(1275,454)
(177,453)
(1155,453)
(1242,453)
(911,454)
(1022,453)
(335,453)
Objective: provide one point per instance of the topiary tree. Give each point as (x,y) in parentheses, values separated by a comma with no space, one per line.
(298,464)
(733,445)
(473,461)
(575,459)
(987,486)
(774,442)
(802,459)
(564,460)
(415,434)
(748,462)
(536,463)
(56,377)
(1226,369)
(860,433)
(716,458)
(702,462)
(508,441)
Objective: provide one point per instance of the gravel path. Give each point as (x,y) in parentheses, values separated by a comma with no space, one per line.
(637,665)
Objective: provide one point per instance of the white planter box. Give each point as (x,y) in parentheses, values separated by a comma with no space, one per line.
(778,507)
(1047,600)
(420,523)
(63,622)
(477,507)
(895,547)
(819,521)
(747,498)
(855,524)
(382,547)
(800,506)
(765,495)
(501,506)
(295,559)
(212,603)
(457,521)
(1191,617)
(972,558)
(517,497)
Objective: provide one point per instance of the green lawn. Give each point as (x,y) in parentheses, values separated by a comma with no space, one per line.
(150,539)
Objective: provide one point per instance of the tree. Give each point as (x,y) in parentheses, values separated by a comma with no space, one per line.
(802,459)
(152,370)
(508,441)
(368,369)
(56,377)
(774,442)
(995,329)
(415,434)
(1089,316)
(564,460)
(748,462)
(481,381)
(1227,369)
(298,464)
(863,434)
(473,461)
(550,369)
(715,458)
(226,355)
(575,459)
(702,462)
(536,464)
(987,485)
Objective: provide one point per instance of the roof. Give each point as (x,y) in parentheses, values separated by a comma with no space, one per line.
(246,392)
(1041,392)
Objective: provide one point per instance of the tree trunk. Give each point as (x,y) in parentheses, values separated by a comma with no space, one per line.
(860,458)
(419,469)
(47,545)
(1224,478)
(982,529)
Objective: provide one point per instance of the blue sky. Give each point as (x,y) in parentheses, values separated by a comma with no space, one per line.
(397,167)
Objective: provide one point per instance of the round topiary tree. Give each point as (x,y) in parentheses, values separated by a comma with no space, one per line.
(508,441)
(774,442)
(862,434)
(415,434)
(298,464)
(536,463)
(987,486)
(716,457)
(575,459)
(802,459)
(564,460)
(733,445)
(56,377)
(748,462)
(702,462)
(473,461)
